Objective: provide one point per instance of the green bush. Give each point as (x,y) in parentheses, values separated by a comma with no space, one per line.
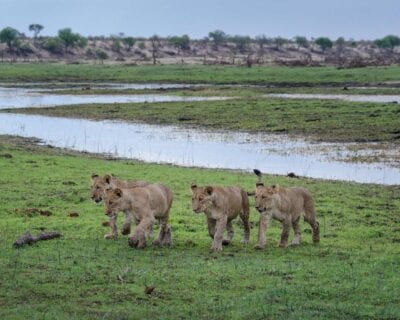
(54,45)
(324,43)
(70,39)
(10,36)
(101,55)
(180,42)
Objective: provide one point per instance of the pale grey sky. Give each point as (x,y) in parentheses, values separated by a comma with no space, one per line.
(358,19)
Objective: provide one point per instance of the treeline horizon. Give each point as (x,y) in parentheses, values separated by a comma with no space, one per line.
(66,40)
(217,34)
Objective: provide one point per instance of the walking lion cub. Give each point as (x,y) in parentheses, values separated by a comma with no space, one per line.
(221,205)
(145,205)
(285,205)
(98,187)
(100,184)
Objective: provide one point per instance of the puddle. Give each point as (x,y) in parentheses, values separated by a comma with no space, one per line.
(103,85)
(11,98)
(275,154)
(348,97)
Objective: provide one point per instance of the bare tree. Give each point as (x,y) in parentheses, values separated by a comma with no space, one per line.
(262,40)
(155,47)
(339,45)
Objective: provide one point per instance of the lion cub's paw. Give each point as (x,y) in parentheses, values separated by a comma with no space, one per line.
(126,230)
(133,242)
(216,248)
(141,245)
(259,246)
(109,236)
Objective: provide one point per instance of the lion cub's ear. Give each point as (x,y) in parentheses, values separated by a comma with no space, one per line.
(259,184)
(209,190)
(275,188)
(193,187)
(94,175)
(107,178)
(118,192)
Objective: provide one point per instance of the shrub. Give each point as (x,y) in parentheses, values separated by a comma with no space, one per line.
(324,43)
(54,45)
(101,55)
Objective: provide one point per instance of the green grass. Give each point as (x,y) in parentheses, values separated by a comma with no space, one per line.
(198,74)
(353,274)
(325,120)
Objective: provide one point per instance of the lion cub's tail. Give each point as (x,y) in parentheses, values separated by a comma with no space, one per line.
(258,174)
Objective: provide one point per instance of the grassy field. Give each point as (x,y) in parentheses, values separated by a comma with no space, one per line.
(199,74)
(324,120)
(352,274)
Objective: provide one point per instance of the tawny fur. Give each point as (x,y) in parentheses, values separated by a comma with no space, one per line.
(285,205)
(98,187)
(145,205)
(221,205)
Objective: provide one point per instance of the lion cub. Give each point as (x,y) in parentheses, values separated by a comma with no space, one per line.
(145,205)
(99,184)
(285,205)
(98,187)
(221,205)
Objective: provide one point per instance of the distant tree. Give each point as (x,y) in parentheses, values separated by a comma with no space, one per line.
(262,40)
(218,37)
(180,42)
(340,44)
(101,55)
(324,43)
(279,42)
(54,45)
(82,42)
(129,42)
(10,36)
(35,28)
(155,47)
(89,53)
(301,42)
(241,42)
(116,45)
(70,39)
(388,42)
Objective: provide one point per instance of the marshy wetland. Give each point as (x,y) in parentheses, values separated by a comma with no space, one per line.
(346,153)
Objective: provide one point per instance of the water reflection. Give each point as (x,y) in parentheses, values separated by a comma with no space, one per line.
(28,98)
(168,144)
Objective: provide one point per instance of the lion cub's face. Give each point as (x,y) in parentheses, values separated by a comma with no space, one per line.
(202,198)
(265,198)
(99,184)
(112,201)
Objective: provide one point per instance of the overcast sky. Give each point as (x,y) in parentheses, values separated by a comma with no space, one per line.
(358,19)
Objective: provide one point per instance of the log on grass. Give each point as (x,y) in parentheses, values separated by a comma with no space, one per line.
(28,238)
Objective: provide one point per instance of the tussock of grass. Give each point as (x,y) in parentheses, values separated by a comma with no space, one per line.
(353,274)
